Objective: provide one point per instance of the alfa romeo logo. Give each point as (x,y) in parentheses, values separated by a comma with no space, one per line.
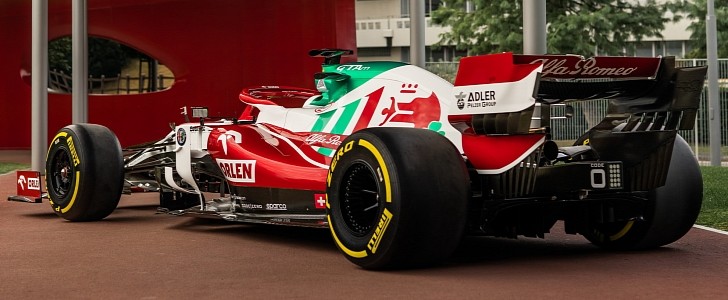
(181,136)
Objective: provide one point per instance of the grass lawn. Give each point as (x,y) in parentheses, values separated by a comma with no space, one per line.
(715,194)
(8,167)
(715,198)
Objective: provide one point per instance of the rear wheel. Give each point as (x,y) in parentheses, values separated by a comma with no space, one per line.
(670,213)
(397,197)
(84,172)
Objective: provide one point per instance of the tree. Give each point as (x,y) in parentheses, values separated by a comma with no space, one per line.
(59,55)
(696,11)
(578,27)
(106,57)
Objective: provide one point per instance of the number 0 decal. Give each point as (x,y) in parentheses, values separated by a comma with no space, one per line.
(598,178)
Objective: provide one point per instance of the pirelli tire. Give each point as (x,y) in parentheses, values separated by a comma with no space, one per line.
(670,213)
(84,172)
(397,198)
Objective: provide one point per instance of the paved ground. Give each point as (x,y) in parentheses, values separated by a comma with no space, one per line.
(138,254)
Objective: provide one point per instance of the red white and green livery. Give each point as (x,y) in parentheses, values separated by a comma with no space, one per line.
(399,163)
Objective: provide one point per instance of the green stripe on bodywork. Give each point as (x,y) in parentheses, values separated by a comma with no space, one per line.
(346,117)
(322,120)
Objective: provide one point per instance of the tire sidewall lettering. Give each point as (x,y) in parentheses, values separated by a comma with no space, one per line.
(64,141)
(372,243)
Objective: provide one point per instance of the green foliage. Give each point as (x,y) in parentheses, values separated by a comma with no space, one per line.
(573,26)
(696,11)
(106,57)
(714,212)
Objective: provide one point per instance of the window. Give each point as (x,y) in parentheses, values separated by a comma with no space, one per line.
(374,52)
(674,48)
(643,49)
(430,6)
(113,68)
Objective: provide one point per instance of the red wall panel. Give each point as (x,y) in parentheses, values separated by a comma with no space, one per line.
(214,48)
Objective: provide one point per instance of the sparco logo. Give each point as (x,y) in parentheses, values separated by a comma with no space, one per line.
(581,67)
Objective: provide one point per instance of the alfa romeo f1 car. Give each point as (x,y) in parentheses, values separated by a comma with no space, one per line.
(400,164)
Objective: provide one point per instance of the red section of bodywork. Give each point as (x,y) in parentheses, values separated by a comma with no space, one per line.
(496,153)
(575,66)
(491,68)
(277,163)
(213,48)
(420,112)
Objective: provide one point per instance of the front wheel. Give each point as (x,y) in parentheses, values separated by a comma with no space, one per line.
(397,197)
(670,212)
(84,172)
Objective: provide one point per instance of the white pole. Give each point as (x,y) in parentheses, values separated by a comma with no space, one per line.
(713,96)
(534,26)
(39,85)
(417,32)
(79,36)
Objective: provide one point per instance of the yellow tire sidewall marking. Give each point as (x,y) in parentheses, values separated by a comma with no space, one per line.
(385,172)
(388,198)
(75,193)
(77,178)
(622,232)
(349,252)
(60,134)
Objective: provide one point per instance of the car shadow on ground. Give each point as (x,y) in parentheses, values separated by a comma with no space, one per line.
(473,250)
(315,238)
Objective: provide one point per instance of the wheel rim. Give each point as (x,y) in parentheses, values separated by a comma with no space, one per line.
(360,199)
(61,173)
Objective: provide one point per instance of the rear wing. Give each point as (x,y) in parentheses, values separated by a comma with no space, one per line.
(635,86)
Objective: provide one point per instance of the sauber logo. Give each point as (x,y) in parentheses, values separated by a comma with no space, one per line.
(238,170)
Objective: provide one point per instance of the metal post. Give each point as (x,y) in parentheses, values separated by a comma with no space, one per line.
(417,32)
(713,93)
(39,85)
(79,41)
(534,26)
(534,39)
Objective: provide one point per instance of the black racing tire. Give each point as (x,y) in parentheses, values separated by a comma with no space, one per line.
(84,172)
(670,213)
(397,198)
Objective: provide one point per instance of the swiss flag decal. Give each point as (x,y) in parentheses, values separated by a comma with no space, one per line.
(319,201)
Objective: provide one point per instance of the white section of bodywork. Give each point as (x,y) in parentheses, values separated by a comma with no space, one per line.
(502,97)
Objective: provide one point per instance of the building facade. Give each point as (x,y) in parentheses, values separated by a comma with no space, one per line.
(382,33)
